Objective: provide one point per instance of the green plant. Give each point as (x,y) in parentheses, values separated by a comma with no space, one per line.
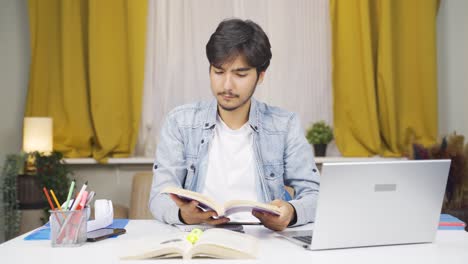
(53,174)
(14,165)
(451,147)
(319,133)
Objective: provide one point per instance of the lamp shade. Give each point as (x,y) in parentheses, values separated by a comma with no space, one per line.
(37,134)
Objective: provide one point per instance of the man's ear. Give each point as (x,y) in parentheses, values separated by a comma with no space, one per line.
(260,77)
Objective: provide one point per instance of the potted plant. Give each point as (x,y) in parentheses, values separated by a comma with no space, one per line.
(456,191)
(52,173)
(319,135)
(14,165)
(23,191)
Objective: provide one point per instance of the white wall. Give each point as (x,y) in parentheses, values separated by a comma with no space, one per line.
(109,181)
(452,45)
(14,68)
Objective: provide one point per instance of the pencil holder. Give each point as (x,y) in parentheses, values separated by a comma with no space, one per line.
(68,228)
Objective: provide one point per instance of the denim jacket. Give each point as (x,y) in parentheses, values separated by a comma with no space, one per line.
(283,157)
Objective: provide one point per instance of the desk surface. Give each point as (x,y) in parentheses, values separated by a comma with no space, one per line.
(451,247)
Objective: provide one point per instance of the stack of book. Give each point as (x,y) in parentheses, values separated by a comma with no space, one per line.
(448,222)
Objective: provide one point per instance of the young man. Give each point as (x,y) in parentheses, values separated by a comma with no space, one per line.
(235,147)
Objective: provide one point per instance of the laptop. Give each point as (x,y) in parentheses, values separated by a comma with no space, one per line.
(365,204)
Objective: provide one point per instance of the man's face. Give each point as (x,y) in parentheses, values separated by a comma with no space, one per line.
(233,84)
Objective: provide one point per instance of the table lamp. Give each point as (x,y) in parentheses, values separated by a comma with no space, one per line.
(37,136)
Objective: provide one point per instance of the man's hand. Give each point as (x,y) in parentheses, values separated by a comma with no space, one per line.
(274,222)
(192,215)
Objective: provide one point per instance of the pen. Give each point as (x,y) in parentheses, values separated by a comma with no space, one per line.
(48,198)
(78,197)
(72,202)
(57,203)
(50,203)
(74,205)
(80,207)
(90,197)
(55,199)
(83,201)
(72,186)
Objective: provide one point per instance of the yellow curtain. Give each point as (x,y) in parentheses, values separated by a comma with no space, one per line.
(87,73)
(384,75)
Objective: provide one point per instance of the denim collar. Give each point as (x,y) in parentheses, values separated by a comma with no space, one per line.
(212,112)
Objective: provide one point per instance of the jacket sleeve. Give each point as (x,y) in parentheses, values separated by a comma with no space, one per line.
(301,173)
(169,170)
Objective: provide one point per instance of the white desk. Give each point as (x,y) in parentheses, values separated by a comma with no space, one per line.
(451,247)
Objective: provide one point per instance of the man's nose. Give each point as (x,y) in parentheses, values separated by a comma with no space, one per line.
(228,82)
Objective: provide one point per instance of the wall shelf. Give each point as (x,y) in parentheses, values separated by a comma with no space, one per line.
(111,161)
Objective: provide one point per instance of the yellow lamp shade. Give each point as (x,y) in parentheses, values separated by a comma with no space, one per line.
(37,134)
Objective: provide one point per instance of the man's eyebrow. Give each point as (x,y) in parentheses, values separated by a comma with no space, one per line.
(242,69)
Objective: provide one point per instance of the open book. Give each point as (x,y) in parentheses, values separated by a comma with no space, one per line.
(212,243)
(235,206)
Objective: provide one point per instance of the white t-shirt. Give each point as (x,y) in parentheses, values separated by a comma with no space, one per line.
(231,167)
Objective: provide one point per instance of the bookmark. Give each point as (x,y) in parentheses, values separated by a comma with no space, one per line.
(194,235)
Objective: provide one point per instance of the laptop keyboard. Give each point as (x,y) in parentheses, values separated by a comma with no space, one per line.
(305,239)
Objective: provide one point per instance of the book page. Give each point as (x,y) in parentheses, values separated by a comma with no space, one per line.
(170,247)
(221,243)
(205,203)
(236,206)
